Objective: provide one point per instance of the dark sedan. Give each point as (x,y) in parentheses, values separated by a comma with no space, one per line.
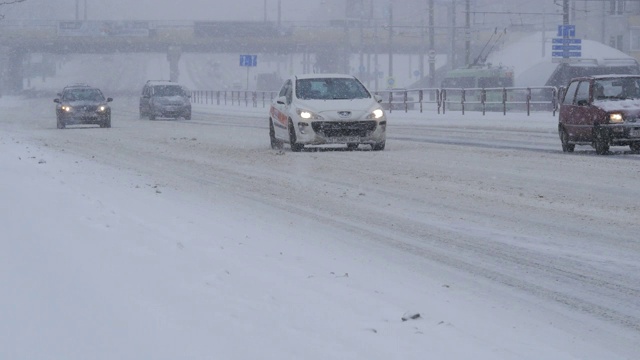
(82,104)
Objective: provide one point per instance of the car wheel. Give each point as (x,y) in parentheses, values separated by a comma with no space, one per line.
(564,139)
(352,146)
(378,146)
(107,122)
(600,142)
(275,143)
(634,147)
(295,147)
(60,124)
(187,116)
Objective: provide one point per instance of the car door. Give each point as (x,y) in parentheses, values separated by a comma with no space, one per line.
(574,109)
(280,110)
(567,108)
(144,100)
(582,120)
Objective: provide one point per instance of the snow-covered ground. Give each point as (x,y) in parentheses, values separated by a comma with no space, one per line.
(194,240)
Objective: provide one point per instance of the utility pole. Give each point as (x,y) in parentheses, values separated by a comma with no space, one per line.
(422,48)
(452,60)
(84,9)
(375,54)
(565,21)
(544,31)
(467,33)
(432,44)
(361,68)
(604,22)
(390,39)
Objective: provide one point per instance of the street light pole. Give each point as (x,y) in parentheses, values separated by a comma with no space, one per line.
(467,33)
(390,39)
(432,44)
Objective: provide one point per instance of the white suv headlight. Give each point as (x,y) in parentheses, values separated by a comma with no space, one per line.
(305,114)
(375,114)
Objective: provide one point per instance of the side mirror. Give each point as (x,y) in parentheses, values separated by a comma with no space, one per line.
(56,101)
(583,102)
(109,99)
(281,100)
(378,98)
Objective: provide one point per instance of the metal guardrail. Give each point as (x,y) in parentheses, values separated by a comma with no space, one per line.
(514,99)
(234,97)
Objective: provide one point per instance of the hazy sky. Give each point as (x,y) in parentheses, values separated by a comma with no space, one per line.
(162,9)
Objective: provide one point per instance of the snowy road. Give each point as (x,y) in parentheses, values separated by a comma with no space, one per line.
(488,205)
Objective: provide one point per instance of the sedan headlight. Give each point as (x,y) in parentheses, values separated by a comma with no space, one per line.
(375,114)
(102,108)
(616,118)
(305,114)
(66,108)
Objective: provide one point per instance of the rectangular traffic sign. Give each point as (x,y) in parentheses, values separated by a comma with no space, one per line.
(248,60)
(567,30)
(566,41)
(566,53)
(566,47)
(559,60)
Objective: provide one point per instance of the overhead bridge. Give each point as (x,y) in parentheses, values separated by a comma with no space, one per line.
(332,42)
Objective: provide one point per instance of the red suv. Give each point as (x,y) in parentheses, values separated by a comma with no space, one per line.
(601,111)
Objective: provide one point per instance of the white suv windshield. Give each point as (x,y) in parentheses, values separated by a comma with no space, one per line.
(330,88)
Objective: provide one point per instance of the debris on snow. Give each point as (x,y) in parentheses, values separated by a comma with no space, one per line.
(410,316)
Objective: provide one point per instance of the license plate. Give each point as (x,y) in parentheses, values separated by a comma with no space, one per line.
(345,140)
(634,133)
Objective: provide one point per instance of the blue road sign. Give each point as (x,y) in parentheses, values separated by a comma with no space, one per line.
(248,60)
(566,53)
(567,30)
(567,47)
(566,41)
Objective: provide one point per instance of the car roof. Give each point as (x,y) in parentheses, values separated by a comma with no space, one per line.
(162,82)
(80,87)
(77,85)
(607,76)
(323,76)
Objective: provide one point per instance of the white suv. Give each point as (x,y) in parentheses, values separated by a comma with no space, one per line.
(317,109)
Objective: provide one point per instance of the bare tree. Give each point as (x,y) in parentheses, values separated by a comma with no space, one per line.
(9,2)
